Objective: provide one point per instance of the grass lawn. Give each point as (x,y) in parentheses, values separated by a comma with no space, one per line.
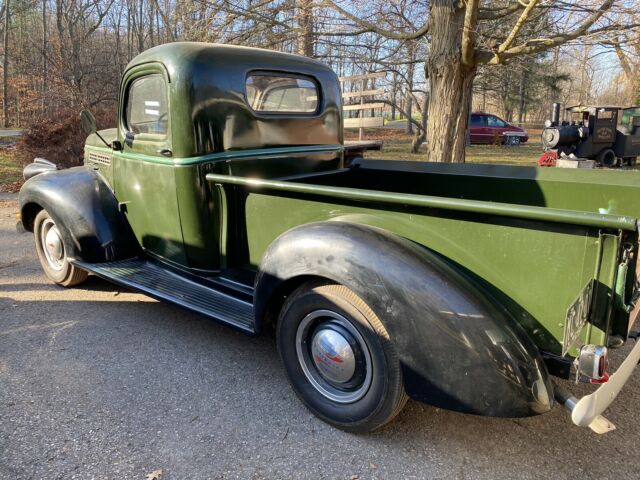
(525,154)
(10,172)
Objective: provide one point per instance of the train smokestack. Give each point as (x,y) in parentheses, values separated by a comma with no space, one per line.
(555,114)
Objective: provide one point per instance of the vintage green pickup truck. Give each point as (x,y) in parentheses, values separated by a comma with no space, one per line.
(223,189)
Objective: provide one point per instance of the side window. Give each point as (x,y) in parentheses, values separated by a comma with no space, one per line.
(279,93)
(477,120)
(147,106)
(495,122)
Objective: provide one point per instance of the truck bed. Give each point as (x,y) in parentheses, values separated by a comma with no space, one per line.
(534,239)
(617,191)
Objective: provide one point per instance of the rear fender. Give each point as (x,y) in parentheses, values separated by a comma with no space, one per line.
(458,348)
(84,209)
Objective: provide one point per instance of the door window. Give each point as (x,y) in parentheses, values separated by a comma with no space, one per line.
(495,122)
(147,106)
(478,120)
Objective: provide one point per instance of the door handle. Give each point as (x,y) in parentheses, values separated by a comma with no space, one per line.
(165,152)
(122,206)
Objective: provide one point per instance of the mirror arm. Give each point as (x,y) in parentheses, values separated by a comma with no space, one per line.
(103,140)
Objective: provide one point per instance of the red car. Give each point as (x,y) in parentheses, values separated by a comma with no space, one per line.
(487,128)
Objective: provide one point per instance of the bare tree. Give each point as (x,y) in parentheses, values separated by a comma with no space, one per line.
(5,66)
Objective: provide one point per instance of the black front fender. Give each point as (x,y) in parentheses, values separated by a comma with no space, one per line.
(459,349)
(84,209)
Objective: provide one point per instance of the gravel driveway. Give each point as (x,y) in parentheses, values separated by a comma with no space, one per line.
(97,382)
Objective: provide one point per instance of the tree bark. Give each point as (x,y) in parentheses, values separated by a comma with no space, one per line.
(5,66)
(421,134)
(411,54)
(44,56)
(523,79)
(305,24)
(451,80)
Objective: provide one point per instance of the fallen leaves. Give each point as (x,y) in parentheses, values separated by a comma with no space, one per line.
(11,187)
(155,475)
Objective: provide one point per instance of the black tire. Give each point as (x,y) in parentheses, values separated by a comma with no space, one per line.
(607,158)
(376,387)
(56,267)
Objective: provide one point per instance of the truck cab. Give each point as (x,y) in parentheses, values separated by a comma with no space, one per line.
(189,109)
(223,189)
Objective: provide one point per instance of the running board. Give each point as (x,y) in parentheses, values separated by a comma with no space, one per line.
(163,284)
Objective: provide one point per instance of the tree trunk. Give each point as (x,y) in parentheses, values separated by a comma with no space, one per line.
(44,56)
(411,54)
(140,27)
(5,66)
(305,24)
(394,94)
(421,135)
(523,79)
(451,82)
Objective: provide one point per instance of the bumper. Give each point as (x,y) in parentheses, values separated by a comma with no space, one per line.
(587,410)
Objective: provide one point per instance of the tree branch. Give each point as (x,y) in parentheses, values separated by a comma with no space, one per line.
(469,33)
(370,27)
(518,26)
(541,44)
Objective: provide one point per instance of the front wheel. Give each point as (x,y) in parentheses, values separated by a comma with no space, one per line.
(607,158)
(53,254)
(339,359)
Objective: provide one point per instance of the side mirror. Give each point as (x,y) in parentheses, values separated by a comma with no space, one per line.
(88,122)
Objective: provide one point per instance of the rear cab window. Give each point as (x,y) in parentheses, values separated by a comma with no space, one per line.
(272,92)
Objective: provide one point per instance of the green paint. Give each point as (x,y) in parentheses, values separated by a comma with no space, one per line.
(265,153)
(429,201)
(533,268)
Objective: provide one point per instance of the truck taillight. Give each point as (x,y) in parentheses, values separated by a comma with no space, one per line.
(592,362)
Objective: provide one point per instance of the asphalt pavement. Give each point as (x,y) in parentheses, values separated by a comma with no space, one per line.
(100,383)
(10,133)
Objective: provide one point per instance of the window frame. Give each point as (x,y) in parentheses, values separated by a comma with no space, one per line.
(497,119)
(483,120)
(137,73)
(288,113)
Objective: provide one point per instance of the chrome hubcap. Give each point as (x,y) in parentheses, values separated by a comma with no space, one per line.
(52,244)
(334,356)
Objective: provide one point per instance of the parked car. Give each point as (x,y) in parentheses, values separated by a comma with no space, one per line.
(487,128)
(223,189)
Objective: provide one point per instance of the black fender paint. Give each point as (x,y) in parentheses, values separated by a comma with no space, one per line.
(458,348)
(38,166)
(85,211)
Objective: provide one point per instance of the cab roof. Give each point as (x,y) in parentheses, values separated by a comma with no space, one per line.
(181,55)
(209,111)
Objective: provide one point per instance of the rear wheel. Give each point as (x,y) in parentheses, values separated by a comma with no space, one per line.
(339,358)
(53,254)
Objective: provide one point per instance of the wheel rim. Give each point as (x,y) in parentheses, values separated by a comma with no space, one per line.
(52,244)
(334,356)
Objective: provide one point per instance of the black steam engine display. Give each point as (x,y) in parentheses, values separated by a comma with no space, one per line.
(592,133)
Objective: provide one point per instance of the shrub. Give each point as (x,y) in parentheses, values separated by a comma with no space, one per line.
(59,138)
